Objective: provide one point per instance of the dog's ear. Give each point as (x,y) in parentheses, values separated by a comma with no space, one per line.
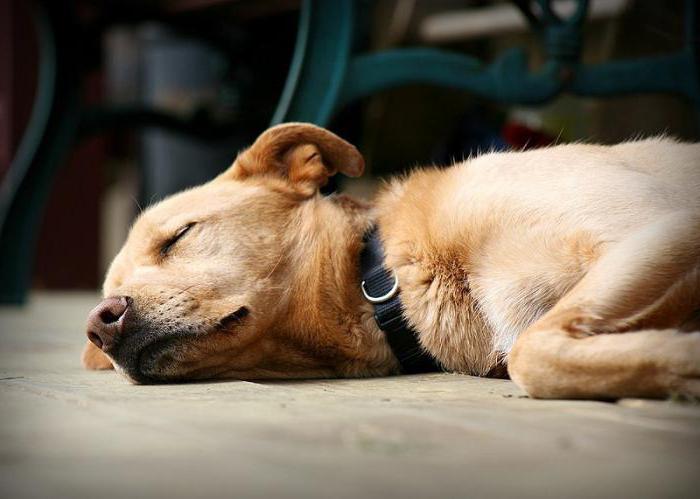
(302,153)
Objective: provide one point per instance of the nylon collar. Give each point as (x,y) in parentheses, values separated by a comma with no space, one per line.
(381,288)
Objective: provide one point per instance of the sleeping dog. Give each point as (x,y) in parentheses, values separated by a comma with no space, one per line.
(576,268)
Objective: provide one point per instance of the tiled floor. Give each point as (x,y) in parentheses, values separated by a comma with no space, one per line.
(65,432)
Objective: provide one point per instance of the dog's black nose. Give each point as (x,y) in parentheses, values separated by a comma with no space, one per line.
(106,321)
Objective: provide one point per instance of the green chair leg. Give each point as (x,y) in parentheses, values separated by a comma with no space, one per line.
(321,55)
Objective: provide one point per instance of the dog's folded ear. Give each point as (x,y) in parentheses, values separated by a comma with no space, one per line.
(302,153)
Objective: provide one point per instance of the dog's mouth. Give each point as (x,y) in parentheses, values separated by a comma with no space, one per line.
(150,358)
(150,362)
(150,354)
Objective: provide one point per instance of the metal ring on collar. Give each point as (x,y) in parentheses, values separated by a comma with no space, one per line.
(388,296)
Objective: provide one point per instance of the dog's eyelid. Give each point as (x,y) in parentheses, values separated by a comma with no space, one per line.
(169,243)
(181,231)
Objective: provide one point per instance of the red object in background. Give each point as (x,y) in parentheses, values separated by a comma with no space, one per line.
(68,247)
(521,137)
(67,254)
(68,250)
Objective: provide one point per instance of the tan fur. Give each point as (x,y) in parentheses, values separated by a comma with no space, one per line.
(532,259)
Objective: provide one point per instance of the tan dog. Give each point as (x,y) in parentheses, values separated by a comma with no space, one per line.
(536,259)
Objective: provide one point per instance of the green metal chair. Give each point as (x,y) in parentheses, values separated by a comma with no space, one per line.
(324,76)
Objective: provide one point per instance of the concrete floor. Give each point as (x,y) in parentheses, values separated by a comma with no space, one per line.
(66,432)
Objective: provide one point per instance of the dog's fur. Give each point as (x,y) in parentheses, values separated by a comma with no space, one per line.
(538,260)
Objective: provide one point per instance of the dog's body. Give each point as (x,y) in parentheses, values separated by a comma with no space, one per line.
(531,259)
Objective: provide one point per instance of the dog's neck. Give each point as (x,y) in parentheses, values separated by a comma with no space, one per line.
(327,309)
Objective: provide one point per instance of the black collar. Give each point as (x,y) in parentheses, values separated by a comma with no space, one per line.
(381,288)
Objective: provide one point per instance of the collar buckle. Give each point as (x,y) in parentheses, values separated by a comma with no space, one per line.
(385,297)
(388,309)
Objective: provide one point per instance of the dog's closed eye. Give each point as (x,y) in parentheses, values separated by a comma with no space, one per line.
(169,243)
(234,318)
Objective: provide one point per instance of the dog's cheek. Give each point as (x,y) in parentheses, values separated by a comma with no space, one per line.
(93,358)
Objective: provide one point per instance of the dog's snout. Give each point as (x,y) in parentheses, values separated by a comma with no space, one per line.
(106,321)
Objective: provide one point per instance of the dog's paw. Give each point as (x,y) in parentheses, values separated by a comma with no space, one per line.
(93,358)
(587,324)
(682,365)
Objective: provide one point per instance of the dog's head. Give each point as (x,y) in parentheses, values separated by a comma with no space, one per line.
(203,285)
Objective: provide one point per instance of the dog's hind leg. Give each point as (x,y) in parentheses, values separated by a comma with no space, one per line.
(645,286)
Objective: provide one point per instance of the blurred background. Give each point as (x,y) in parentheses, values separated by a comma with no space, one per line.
(169,91)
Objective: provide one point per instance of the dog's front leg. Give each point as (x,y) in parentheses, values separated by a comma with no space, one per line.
(93,358)
(645,286)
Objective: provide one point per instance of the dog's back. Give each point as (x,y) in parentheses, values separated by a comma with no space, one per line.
(521,229)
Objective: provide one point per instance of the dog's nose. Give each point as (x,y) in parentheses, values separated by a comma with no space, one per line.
(106,321)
